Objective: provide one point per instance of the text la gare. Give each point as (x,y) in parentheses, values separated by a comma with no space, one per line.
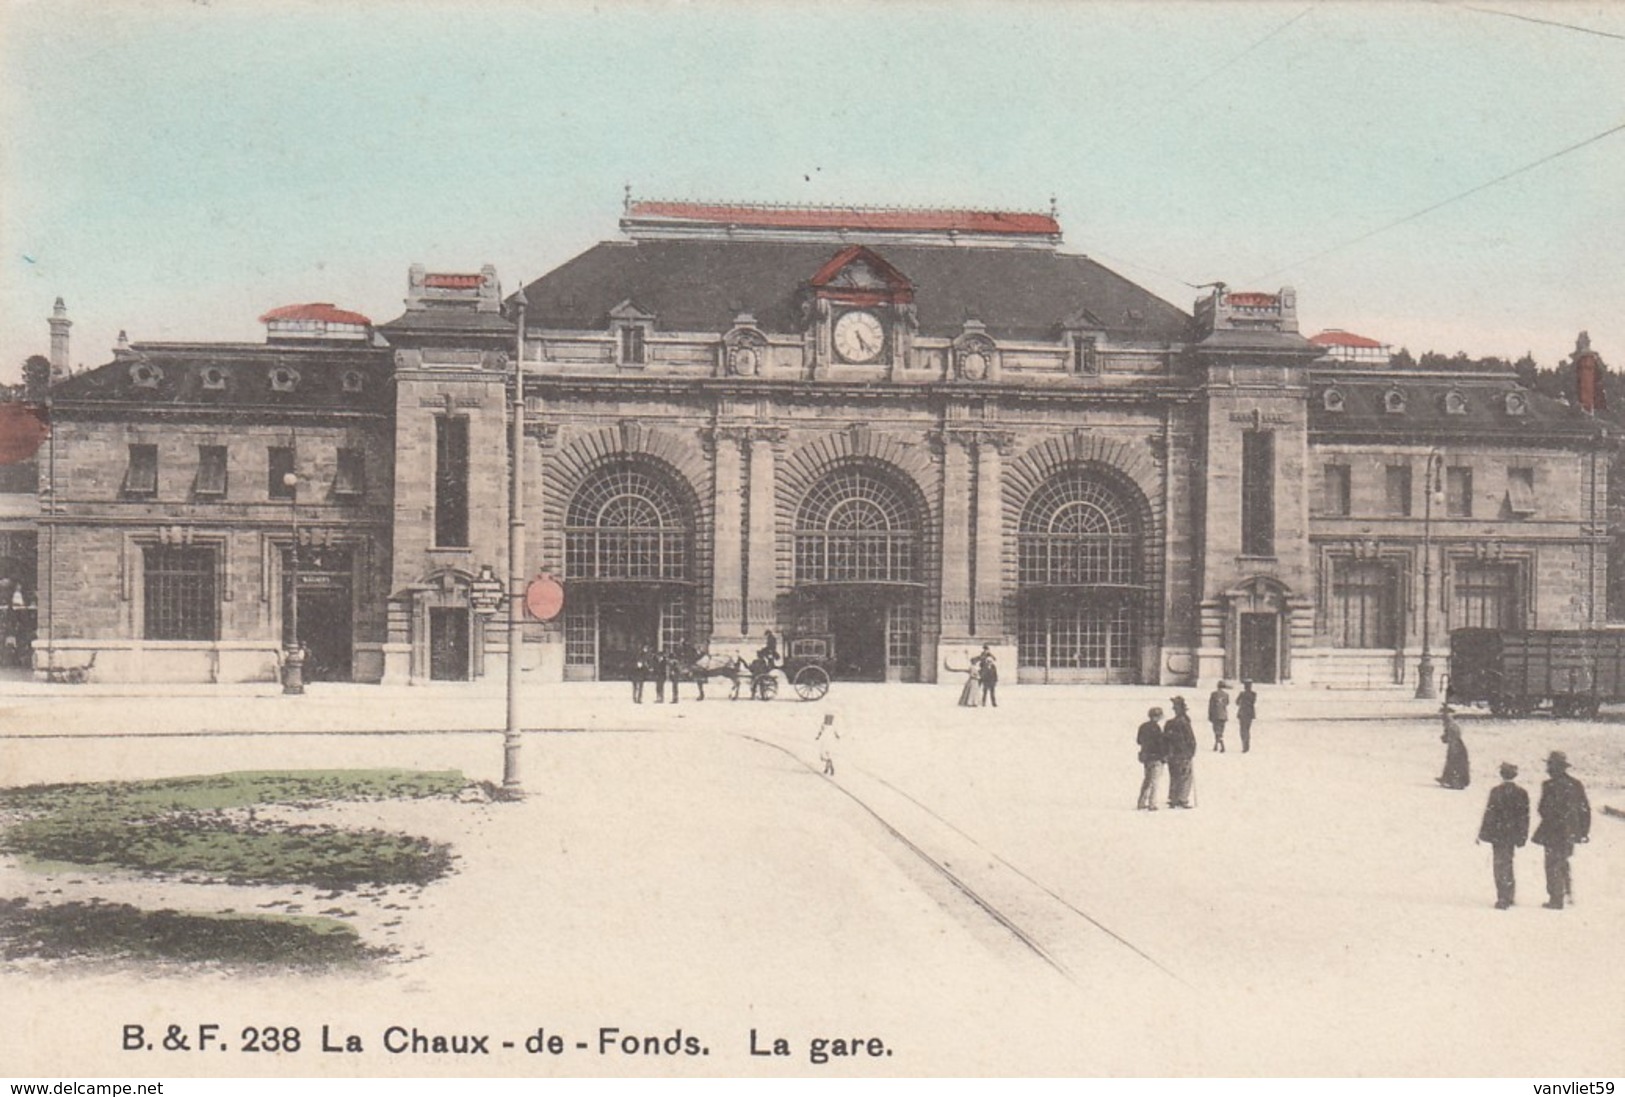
(821,1049)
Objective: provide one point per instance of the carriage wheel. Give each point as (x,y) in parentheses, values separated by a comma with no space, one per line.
(769,687)
(812,683)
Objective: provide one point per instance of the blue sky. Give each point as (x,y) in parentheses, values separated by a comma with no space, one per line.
(176,169)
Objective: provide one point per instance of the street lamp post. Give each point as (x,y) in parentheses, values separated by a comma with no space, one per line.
(1424,666)
(511,787)
(293,658)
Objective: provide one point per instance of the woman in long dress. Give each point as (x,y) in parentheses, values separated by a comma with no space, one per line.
(1455,773)
(967,696)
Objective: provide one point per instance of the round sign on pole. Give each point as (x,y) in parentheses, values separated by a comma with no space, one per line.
(544,597)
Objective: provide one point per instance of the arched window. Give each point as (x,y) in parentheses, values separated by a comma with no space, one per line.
(856,526)
(627,522)
(1079,568)
(1076,531)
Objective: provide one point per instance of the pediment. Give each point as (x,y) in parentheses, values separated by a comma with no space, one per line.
(859,271)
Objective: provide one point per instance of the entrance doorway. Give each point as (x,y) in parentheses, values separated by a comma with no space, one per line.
(1260,647)
(860,641)
(623,630)
(326,611)
(448,645)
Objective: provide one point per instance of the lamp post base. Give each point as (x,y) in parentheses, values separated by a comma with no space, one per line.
(1425,690)
(293,672)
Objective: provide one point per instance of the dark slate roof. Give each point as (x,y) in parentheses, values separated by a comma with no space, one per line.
(448,321)
(1486,417)
(702,285)
(246,370)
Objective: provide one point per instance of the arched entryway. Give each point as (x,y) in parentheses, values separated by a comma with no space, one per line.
(629,559)
(1081,592)
(858,580)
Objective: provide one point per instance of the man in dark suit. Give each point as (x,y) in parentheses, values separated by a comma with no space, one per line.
(1565,821)
(1505,828)
(987,673)
(1246,713)
(1181,740)
(1153,755)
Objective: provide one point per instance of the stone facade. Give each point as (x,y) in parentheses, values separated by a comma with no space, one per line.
(895,435)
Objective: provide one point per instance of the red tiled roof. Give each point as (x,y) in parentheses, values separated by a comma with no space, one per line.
(856,217)
(453,281)
(322,312)
(1337,337)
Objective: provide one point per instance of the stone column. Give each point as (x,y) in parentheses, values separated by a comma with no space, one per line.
(727,562)
(761,575)
(956,590)
(987,618)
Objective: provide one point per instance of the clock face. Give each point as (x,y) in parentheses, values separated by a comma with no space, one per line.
(859,336)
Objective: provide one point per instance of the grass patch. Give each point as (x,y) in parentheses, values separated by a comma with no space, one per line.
(181,825)
(117,931)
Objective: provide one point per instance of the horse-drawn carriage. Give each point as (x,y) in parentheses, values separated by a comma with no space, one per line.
(804,667)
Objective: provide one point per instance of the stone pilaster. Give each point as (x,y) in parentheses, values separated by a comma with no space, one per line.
(761,574)
(987,618)
(956,533)
(727,533)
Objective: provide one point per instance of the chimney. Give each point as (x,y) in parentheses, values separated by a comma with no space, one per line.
(59,341)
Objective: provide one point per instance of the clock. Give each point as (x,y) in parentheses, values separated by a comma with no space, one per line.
(859,336)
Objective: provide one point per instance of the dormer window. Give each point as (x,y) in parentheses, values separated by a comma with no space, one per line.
(144,375)
(284,379)
(1085,355)
(352,381)
(633,345)
(1517,403)
(1393,402)
(1455,403)
(1333,400)
(214,378)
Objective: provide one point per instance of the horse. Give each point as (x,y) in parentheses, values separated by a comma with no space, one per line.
(707,666)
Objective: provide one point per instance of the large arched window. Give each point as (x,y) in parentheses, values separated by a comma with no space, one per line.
(1080,563)
(1076,531)
(856,526)
(627,522)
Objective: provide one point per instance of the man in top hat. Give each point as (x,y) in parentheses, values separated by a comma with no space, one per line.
(1505,828)
(1565,820)
(1181,744)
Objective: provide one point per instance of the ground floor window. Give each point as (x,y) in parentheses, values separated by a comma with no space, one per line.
(1082,636)
(903,636)
(1485,596)
(179,593)
(1363,610)
(604,631)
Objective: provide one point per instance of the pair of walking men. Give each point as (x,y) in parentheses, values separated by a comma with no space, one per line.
(1218,714)
(1565,821)
(1172,744)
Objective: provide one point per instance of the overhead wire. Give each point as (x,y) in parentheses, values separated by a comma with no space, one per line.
(1543,22)
(1514,173)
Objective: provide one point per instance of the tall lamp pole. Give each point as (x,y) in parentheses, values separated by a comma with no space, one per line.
(293,660)
(511,787)
(1424,667)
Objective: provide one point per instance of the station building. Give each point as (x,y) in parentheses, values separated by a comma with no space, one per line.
(906,433)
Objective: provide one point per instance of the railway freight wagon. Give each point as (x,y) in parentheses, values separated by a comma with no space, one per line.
(1572,672)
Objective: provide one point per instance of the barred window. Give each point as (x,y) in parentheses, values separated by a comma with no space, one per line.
(211,472)
(903,635)
(627,522)
(351,477)
(1486,596)
(855,526)
(1076,531)
(141,477)
(179,593)
(1364,596)
(1079,637)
